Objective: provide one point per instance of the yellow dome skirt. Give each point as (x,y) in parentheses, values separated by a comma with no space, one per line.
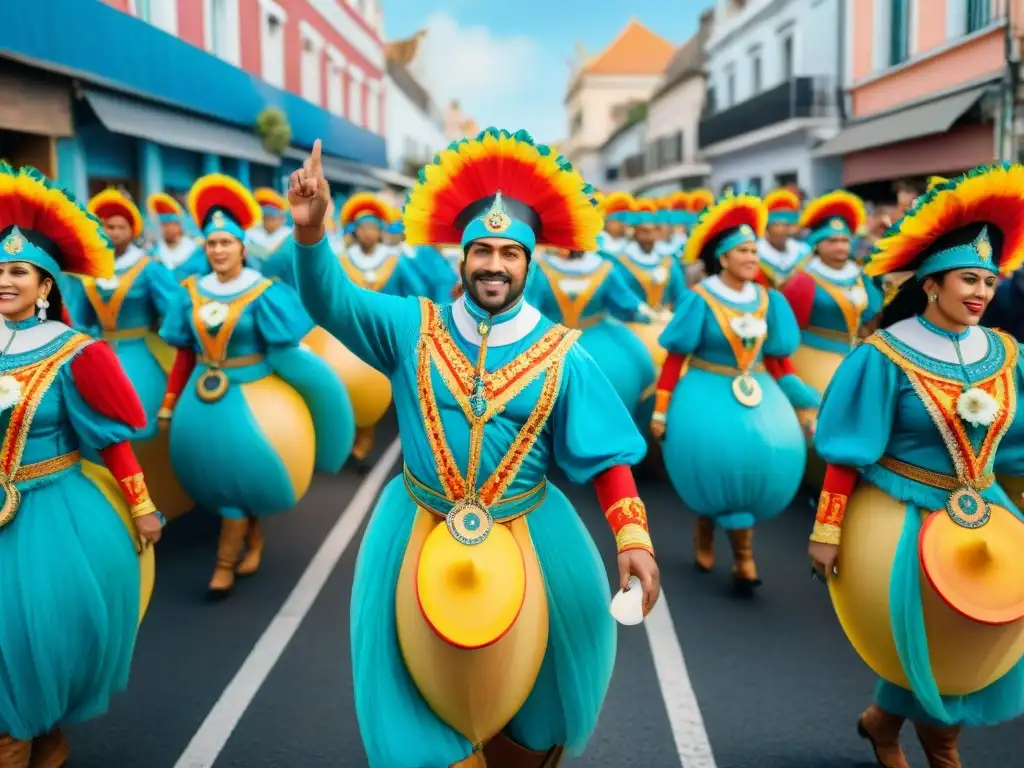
(475,690)
(154,455)
(105,481)
(368,388)
(648,334)
(966,655)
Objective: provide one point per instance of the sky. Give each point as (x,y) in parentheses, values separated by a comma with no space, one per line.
(508,63)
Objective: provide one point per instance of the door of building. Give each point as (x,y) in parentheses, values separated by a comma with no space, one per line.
(19,149)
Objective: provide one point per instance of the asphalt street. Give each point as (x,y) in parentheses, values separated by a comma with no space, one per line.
(767,682)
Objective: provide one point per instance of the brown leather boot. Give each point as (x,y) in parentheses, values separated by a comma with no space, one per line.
(744,571)
(14,753)
(49,751)
(939,744)
(254,541)
(882,730)
(364,443)
(502,752)
(232,539)
(704,544)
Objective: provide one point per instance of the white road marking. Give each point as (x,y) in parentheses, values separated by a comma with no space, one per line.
(218,726)
(677,692)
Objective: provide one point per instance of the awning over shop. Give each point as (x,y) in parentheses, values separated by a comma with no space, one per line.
(394,178)
(341,171)
(131,117)
(926,119)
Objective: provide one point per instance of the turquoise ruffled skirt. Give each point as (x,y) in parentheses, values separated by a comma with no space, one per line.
(69,588)
(570,690)
(622,358)
(735,464)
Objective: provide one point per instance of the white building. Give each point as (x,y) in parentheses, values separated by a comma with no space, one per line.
(624,157)
(774,79)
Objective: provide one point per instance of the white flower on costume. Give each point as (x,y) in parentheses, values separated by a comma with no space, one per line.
(10,392)
(659,275)
(858,296)
(108,283)
(749,328)
(977,407)
(214,314)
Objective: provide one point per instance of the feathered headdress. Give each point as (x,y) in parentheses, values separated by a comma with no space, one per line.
(645,211)
(934,181)
(617,206)
(502,184)
(973,221)
(396,225)
(700,200)
(783,206)
(732,221)
(836,214)
(219,203)
(113,202)
(43,224)
(365,208)
(678,205)
(270,201)
(164,208)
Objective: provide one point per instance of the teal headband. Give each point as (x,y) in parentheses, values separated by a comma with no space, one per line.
(221,222)
(622,216)
(739,236)
(834,227)
(974,255)
(783,217)
(169,218)
(270,210)
(496,222)
(367,220)
(644,217)
(16,247)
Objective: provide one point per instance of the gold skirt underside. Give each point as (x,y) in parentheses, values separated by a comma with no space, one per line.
(965,656)
(476,692)
(368,388)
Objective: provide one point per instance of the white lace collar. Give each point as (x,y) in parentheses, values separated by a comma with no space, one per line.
(847,272)
(584,265)
(129,258)
(502,334)
(30,339)
(912,333)
(368,262)
(783,260)
(211,283)
(174,256)
(637,254)
(745,295)
(259,237)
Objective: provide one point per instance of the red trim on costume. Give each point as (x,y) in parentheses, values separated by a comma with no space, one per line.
(799,292)
(778,367)
(835,492)
(625,512)
(184,362)
(102,382)
(120,460)
(670,371)
(614,484)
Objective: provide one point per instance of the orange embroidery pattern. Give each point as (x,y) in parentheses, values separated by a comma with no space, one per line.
(108,310)
(215,345)
(572,308)
(831,508)
(655,292)
(381,275)
(724,315)
(851,313)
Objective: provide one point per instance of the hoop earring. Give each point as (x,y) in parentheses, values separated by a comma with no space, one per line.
(43,305)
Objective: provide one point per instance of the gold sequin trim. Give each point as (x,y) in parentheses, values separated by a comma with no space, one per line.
(724,315)
(40,469)
(826,534)
(632,536)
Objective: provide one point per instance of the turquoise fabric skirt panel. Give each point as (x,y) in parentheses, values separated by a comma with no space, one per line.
(327,400)
(149,380)
(735,464)
(567,698)
(622,357)
(398,728)
(69,588)
(222,457)
(1000,702)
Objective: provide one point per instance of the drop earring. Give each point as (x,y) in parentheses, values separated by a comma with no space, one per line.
(43,305)
(933,297)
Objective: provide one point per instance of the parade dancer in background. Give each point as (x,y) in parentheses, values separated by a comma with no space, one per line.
(616,207)
(272,236)
(173,249)
(920,547)
(250,413)
(480,622)
(678,211)
(733,446)
(433,271)
(781,254)
(72,592)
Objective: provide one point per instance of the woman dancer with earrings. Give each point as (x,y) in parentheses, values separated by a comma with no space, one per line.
(72,592)
(250,412)
(921,548)
(717,336)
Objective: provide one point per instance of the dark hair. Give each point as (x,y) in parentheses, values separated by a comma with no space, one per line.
(909,301)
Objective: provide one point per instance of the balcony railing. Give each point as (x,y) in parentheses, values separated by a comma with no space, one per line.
(799,97)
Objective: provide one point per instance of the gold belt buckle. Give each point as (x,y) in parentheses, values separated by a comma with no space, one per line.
(469,522)
(747,391)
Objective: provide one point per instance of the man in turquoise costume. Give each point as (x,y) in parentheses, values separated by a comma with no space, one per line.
(481,631)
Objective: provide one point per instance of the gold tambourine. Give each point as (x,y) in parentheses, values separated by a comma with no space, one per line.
(11,501)
(747,391)
(212,385)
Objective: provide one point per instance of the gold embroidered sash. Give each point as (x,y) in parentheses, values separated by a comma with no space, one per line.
(851,312)
(745,355)
(35,379)
(437,350)
(572,308)
(380,275)
(939,396)
(653,291)
(108,310)
(214,342)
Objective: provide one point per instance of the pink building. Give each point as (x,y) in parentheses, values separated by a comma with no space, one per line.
(926,85)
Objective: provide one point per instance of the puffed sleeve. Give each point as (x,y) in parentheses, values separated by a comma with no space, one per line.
(101,402)
(176,328)
(683,334)
(858,409)
(1010,456)
(80,311)
(379,329)
(281,320)
(783,340)
(163,288)
(591,427)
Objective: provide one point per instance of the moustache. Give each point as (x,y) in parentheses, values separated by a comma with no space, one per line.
(481,275)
